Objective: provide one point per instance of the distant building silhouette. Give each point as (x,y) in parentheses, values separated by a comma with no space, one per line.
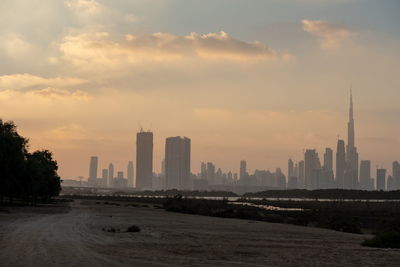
(104,176)
(365,175)
(327,176)
(328,159)
(390,185)
(243,169)
(312,169)
(94,161)
(130,174)
(120,181)
(163,167)
(293,174)
(381,179)
(203,173)
(110,175)
(144,160)
(351,172)
(280,179)
(396,174)
(93,166)
(210,173)
(301,180)
(177,162)
(340,163)
(290,168)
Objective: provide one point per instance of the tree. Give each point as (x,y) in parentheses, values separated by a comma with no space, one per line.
(13,149)
(41,170)
(27,176)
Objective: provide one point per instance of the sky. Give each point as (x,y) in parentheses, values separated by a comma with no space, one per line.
(260,80)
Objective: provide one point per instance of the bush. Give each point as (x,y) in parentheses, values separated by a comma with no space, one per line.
(133,229)
(384,240)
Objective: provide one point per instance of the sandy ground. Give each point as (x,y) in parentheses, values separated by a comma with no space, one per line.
(74,237)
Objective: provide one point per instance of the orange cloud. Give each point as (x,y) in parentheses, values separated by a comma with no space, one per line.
(331,35)
(26,81)
(101,48)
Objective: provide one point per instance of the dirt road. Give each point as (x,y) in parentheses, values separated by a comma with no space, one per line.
(76,238)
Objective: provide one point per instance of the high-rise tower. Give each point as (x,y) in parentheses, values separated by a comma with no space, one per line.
(130,174)
(110,175)
(351,174)
(144,160)
(340,164)
(93,167)
(177,163)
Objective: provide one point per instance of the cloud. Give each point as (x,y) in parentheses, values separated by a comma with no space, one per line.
(53,93)
(331,35)
(29,81)
(16,46)
(101,48)
(44,94)
(84,7)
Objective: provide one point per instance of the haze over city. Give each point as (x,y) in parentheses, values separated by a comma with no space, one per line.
(260,81)
(199,133)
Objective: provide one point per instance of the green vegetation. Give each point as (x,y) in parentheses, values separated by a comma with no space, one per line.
(133,229)
(326,194)
(384,240)
(191,193)
(352,217)
(28,177)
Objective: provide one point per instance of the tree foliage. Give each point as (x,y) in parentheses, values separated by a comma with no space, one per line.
(24,175)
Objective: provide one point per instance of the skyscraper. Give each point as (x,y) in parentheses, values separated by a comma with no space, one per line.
(340,164)
(301,181)
(203,173)
(177,162)
(312,169)
(381,179)
(280,179)
(328,159)
(210,173)
(327,177)
(104,176)
(351,172)
(396,174)
(93,167)
(243,170)
(110,175)
(365,175)
(290,168)
(144,160)
(130,174)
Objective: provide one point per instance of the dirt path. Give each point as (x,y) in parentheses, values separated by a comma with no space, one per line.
(172,239)
(56,240)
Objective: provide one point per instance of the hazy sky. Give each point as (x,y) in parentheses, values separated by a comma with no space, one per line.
(259,80)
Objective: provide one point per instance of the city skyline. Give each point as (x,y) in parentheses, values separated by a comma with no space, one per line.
(346,155)
(260,82)
(309,172)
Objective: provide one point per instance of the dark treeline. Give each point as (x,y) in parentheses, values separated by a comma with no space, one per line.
(193,193)
(326,194)
(69,190)
(28,177)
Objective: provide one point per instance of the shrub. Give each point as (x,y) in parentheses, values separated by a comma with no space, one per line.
(384,240)
(133,229)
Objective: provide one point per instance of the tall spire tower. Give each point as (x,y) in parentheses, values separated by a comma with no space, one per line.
(350,124)
(351,175)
